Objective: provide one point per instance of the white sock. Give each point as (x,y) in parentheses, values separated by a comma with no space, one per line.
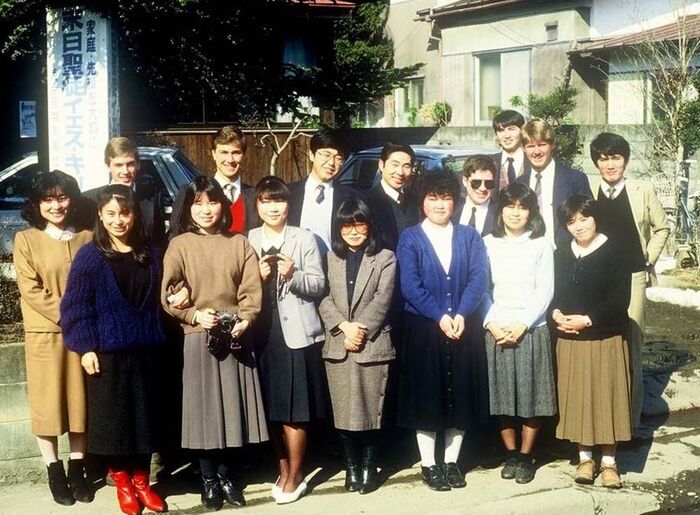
(608,459)
(426,447)
(453,444)
(585,455)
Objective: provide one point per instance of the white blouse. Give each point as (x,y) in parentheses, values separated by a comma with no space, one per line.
(441,240)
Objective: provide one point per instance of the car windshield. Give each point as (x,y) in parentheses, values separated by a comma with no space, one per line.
(454,164)
(187,166)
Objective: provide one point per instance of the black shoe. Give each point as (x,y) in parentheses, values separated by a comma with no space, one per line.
(232,493)
(212,495)
(353,476)
(58,484)
(434,478)
(453,475)
(76,479)
(510,468)
(525,471)
(370,478)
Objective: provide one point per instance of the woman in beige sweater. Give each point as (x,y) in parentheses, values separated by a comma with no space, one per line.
(42,258)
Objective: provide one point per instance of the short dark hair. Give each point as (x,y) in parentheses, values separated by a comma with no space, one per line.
(45,184)
(329,138)
(137,238)
(228,135)
(479,162)
(583,204)
(390,148)
(272,187)
(201,185)
(522,194)
(609,143)
(438,183)
(354,210)
(506,118)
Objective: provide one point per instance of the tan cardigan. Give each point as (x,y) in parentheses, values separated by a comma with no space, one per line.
(42,264)
(221,273)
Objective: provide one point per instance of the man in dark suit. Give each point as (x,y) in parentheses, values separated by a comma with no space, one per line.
(315,199)
(122,160)
(478,208)
(552,182)
(511,162)
(228,147)
(392,207)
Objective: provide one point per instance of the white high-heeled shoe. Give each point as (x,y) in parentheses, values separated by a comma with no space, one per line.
(287,497)
(276,490)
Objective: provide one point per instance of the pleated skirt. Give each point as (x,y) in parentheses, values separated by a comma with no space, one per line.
(222,403)
(594,391)
(521,377)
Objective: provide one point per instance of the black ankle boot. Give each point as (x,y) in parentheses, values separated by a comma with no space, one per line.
(232,493)
(212,494)
(370,478)
(76,480)
(353,479)
(58,484)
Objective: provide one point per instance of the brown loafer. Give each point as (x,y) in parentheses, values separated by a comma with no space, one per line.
(585,472)
(610,477)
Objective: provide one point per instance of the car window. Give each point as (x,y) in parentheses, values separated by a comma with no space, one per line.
(361,173)
(14,190)
(150,182)
(188,168)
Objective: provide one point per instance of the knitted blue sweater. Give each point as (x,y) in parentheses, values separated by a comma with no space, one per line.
(95,316)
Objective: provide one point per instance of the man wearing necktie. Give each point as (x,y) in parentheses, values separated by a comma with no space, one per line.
(553,182)
(510,162)
(631,216)
(478,208)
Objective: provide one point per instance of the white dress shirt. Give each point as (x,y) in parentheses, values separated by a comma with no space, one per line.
(479,215)
(391,192)
(547,208)
(441,240)
(518,161)
(224,181)
(604,186)
(315,216)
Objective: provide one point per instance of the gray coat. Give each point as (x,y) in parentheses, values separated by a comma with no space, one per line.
(370,306)
(301,325)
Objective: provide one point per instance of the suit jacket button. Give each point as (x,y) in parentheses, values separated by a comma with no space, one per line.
(284,318)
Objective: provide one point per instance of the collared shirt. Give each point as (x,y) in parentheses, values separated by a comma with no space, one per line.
(391,192)
(316,216)
(547,208)
(597,242)
(272,239)
(441,240)
(479,215)
(223,181)
(518,161)
(604,186)
(57,234)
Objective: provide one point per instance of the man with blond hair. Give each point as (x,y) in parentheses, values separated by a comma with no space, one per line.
(552,182)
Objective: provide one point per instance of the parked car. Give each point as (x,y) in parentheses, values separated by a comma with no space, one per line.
(162,168)
(361,170)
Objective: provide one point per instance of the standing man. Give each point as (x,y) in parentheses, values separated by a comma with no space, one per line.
(315,199)
(510,162)
(228,147)
(392,207)
(122,160)
(478,209)
(632,216)
(552,182)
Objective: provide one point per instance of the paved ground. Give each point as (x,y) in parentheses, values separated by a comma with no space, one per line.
(659,472)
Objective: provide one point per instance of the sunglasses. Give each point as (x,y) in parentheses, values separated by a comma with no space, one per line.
(489,184)
(360,227)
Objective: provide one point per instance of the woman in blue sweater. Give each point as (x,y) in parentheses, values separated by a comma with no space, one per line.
(110,315)
(444,274)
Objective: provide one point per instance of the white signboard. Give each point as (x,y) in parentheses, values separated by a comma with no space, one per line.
(27,119)
(82,84)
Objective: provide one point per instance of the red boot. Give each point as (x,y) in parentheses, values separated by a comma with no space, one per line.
(148,497)
(128,502)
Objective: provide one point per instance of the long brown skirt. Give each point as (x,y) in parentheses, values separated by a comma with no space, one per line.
(55,385)
(594,391)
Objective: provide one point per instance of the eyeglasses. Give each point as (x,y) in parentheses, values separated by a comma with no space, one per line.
(360,228)
(327,156)
(489,184)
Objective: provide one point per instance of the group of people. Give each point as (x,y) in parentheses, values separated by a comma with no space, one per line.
(429,302)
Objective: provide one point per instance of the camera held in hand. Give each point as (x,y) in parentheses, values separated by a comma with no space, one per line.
(221,342)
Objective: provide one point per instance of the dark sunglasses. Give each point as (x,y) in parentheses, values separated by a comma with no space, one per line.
(476,183)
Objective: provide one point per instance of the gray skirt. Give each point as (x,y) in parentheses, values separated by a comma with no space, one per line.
(357,393)
(521,377)
(222,403)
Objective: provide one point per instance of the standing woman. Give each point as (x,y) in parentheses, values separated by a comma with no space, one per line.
(56,389)
(358,348)
(518,348)
(222,404)
(444,274)
(592,292)
(288,333)
(111,317)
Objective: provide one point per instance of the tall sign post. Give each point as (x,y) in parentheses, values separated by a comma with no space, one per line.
(82,92)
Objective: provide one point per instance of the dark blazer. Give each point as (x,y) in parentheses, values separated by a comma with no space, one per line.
(296,199)
(252,219)
(503,180)
(383,214)
(150,204)
(490,220)
(371,303)
(567,182)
